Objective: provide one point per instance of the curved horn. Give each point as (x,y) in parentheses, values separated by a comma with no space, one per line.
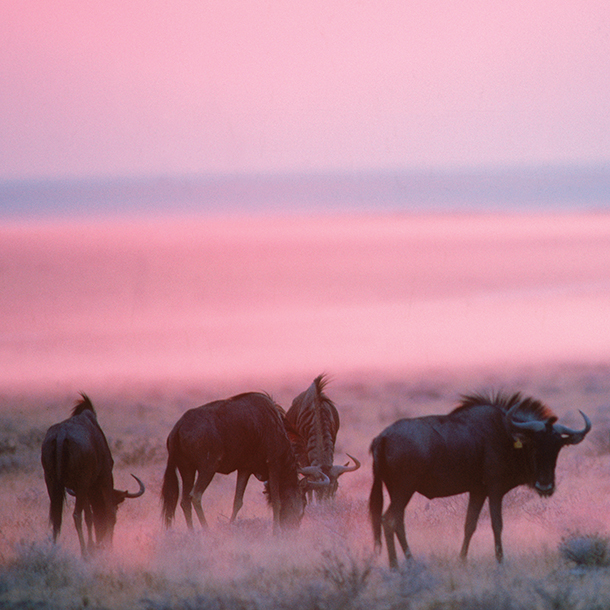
(531,426)
(311,471)
(325,482)
(573,437)
(70,492)
(528,426)
(337,471)
(138,493)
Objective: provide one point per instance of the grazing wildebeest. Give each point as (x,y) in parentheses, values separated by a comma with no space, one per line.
(246,433)
(76,458)
(486,446)
(315,417)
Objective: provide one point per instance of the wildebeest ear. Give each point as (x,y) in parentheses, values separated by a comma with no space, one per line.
(550,421)
(118,496)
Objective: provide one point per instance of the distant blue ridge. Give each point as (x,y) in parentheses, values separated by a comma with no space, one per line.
(549,188)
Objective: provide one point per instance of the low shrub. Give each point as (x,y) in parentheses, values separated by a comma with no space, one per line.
(586,550)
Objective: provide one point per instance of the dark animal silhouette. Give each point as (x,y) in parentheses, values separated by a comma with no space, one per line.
(316,420)
(76,458)
(246,433)
(487,446)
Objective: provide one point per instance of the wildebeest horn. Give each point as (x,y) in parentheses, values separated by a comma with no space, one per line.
(311,471)
(138,493)
(325,482)
(337,471)
(315,471)
(573,437)
(528,426)
(531,426)
(70,492)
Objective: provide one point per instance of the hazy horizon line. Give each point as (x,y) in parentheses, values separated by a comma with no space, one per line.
(541,186)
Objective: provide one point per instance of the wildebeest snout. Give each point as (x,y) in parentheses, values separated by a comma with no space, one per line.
(544,489)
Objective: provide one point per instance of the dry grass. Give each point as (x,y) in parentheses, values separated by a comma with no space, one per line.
(329,563)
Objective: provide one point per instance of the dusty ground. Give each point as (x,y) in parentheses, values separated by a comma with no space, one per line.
(330,561)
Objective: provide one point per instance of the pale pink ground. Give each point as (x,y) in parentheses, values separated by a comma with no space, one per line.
(178,298)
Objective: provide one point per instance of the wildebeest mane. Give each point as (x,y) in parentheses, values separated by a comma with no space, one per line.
(284,428)
(527,408)
(322,381)
(265,394)
(288,459)
(84,404)
(278,415)
(282,454)
(322,427)
(297,442)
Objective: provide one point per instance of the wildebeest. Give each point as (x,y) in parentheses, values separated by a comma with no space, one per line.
(76,458)
(486,446)
(246,433)
(315,417)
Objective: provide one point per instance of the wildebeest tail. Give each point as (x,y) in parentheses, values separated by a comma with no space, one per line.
(55,486)
(169,491)
(376,497)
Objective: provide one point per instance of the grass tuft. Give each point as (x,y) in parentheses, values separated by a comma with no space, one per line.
(346,573)
(586,550)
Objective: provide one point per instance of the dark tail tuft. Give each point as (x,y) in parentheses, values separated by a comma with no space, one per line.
(376,497)
(55,486)
(57,495)
(169,492)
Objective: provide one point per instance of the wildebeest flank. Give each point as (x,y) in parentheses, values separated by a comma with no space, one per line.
(76,458)
(316,419)
(244,433)
(486,446)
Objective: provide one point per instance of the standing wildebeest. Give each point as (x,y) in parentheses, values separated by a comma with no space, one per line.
(315,417)
(486,446)
(246,433)
(76,458)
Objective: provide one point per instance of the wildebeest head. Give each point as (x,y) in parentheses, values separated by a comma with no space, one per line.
(121,496)
(534,430)
(294,499)
(316,421)
(105,513)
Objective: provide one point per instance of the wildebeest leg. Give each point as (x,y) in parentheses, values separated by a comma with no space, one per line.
(475,504)
(274,496)
(495,512)
(79,506)
(240,488)
(204,478)
(394,523)
(89,524)
(188,478)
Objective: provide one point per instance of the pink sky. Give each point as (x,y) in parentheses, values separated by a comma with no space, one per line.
(106,88)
